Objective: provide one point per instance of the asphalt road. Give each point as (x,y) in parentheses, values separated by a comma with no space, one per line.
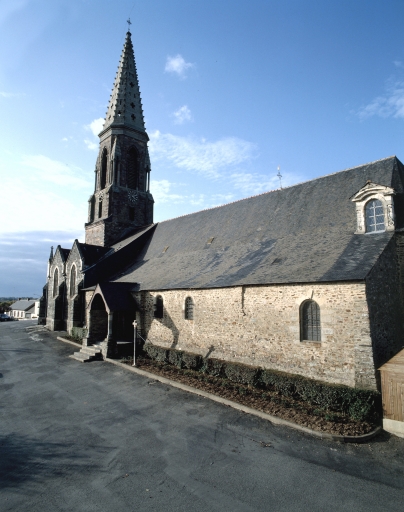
(93,437)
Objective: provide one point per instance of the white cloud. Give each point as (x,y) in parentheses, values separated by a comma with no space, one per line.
(177,65)
(253,183)
(161,190)
(40,209)
(47,170)
(182,114)
(95,126)
(206,158)
(4,94)
(391,104)
(91,145)
(163,194)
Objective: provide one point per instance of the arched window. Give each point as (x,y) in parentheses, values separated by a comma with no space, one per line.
(158,307)
(100,209)
(374,215)
(73,281)
(310,321)
(189,309)
(132,167)
(104,165)
(92,208)
(55,282)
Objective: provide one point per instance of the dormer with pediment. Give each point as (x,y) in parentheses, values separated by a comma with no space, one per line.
(374,209)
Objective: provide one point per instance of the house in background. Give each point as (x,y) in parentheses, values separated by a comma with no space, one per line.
(24,309)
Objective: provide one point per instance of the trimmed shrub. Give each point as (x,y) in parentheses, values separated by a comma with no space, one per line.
(359,404)
(155,352)
(174,357)
(78,333)
(241,373)
(273,380)
(214,367)
(192,361)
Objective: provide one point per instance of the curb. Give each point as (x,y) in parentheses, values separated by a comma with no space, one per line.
(272,419)
(68,341)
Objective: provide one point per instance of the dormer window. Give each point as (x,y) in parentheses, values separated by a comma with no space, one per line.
(374,216)
(374,209)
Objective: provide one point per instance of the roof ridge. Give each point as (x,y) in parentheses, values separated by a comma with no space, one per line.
(277,189)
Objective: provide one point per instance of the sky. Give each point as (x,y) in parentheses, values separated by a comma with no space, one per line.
(231,90)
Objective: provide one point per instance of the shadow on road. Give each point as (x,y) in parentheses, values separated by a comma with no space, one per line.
(24,460)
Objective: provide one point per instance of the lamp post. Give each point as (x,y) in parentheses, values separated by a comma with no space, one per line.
(134,342)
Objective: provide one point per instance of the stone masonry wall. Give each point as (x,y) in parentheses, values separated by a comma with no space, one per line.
(57,307)
(384,287)
(260,325)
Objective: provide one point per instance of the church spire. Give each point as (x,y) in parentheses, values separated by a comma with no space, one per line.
(125,106)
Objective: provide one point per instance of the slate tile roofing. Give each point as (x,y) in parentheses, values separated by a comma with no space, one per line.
(303,233)
(23,305)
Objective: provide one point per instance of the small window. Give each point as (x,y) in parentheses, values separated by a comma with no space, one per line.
(55,282)
(73,281)
(374,214)
(189,308)
(158,307)
(310,321)
(100,209)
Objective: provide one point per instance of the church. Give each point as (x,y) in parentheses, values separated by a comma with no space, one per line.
(306,279)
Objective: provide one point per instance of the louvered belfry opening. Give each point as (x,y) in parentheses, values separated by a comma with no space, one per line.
(133,169)
(189,308)
(103,176)
(310,316)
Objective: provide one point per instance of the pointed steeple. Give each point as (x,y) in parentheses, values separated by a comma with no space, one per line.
(125,106)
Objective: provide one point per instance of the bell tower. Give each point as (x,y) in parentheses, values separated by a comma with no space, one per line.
(122,200)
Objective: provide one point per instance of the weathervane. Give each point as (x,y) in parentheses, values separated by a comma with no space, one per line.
(279,176)
(129,24)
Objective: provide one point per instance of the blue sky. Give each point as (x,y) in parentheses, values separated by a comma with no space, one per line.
(230,90)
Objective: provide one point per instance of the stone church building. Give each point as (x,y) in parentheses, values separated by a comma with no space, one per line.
(307,279)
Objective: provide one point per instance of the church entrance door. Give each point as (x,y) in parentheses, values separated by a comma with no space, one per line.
(98,320)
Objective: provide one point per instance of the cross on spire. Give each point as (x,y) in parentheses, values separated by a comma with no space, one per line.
(129,24)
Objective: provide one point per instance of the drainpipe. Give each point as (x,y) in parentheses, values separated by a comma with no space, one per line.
(134,342)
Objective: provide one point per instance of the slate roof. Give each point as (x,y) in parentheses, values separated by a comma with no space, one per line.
(117,296)
(92,253)
(303,233)
(23,305)
(65,253)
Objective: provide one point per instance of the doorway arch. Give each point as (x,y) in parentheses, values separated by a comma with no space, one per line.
(98,319)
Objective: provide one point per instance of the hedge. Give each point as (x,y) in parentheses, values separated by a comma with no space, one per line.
(78,333)
(359,404)
(155,352)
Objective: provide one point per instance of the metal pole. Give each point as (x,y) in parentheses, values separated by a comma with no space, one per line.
(134,342)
